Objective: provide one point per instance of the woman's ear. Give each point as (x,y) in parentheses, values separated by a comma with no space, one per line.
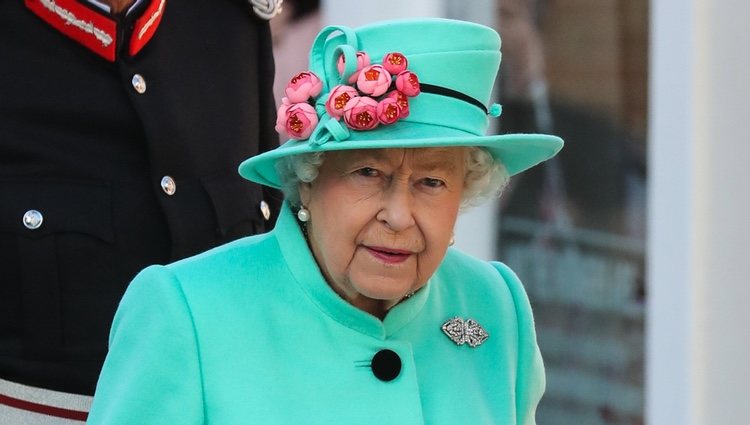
(304,192)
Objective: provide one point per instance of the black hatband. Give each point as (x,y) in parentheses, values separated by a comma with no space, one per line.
(429,88)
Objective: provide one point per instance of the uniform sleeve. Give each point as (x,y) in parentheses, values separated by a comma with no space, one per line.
(269,138)
(152,371)
(530,379)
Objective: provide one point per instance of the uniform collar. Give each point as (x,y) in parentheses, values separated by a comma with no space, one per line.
(105,35)
(105,7)
(307,274)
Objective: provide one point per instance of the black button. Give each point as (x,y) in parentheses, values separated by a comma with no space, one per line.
(386,365)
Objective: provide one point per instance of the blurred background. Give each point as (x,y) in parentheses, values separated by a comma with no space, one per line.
(631,242)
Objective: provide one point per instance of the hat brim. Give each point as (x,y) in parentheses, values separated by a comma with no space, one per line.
(517,152)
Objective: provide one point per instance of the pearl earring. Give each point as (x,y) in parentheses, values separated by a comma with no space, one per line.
(303,215)
(452,241)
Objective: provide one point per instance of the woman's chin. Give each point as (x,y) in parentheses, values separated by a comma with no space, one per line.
(386,289)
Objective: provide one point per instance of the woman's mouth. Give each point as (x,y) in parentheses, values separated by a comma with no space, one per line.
(389,255)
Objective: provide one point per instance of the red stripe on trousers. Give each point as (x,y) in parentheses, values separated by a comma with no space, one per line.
(43,409)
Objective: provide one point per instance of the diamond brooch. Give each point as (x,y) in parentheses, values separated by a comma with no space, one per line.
(463,331)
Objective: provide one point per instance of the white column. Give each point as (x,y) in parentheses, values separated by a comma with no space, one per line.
(698,357)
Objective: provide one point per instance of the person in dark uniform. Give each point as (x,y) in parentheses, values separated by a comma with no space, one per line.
(122,123)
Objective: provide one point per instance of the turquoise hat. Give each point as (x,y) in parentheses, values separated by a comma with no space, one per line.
(453,63)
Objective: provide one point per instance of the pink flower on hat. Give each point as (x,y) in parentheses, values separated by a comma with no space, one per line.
(303,86)
(300,120)
(402,100)
(388,111)
(360,113)
(363,103)
(395,62)
(338,98)
(282,115)
(374,80)
(363,60)
(407,83)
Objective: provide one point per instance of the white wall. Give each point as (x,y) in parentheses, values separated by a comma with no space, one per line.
(356,13)
(699,220)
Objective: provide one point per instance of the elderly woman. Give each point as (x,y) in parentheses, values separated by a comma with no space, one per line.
(353,310)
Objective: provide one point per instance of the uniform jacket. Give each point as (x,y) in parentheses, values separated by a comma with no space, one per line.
(251,333)
(87,151)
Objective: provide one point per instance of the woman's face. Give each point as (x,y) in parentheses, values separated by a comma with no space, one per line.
(382,219)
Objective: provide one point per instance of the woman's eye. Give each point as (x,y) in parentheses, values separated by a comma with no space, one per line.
(432,182)
(367,172)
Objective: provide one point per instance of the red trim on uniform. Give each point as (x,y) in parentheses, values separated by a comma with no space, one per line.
(145,26)
(29,406)
(93,30)
(98,31)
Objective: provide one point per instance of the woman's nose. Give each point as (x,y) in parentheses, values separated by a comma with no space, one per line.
(397,209)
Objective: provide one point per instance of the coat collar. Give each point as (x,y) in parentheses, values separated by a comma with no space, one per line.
(307,274)
(107,36)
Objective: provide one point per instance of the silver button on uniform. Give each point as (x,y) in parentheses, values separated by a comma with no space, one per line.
(139,83)
(265,210)
(168,185)
(33,219)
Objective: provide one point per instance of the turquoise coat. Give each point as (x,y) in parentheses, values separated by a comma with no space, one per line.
(250,333)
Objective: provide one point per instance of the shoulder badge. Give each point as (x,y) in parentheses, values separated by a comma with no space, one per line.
(266,9)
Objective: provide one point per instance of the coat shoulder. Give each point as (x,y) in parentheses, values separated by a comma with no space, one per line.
(473,271)
(249,256)
(465,276)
